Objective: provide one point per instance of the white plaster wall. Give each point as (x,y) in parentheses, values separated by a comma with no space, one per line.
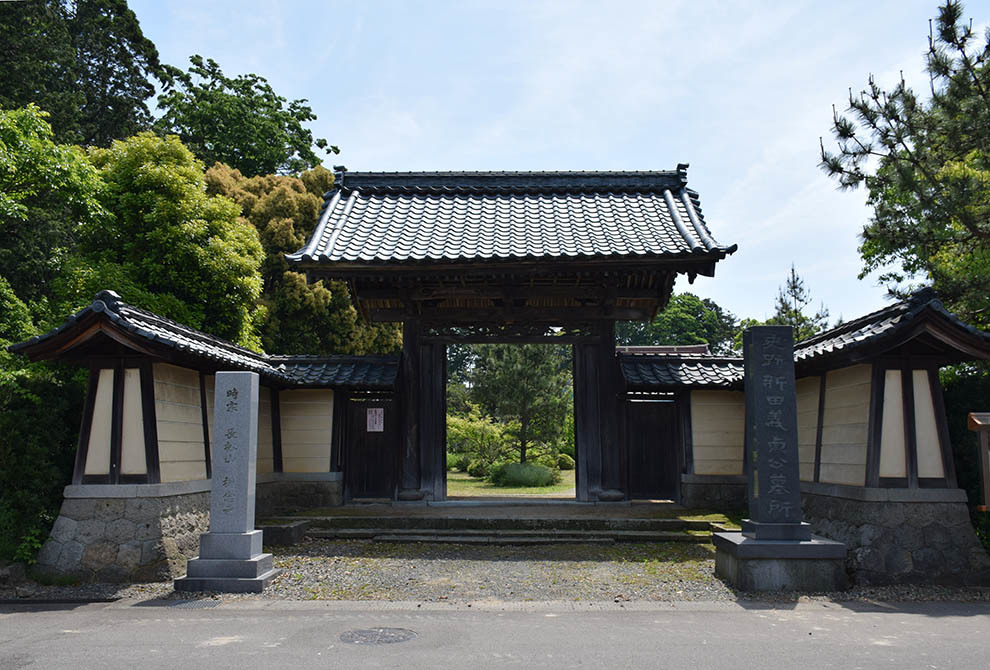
(179,418)
(98,452)
(132,456)
(717,432)
(307,425)
(892,455)
(926,433)
(808,390)
(845,425)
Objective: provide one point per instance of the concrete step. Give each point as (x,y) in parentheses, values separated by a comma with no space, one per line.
(432,523)
(482,536)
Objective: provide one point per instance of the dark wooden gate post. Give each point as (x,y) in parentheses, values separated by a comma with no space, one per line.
(409,479)
(432,402)
(613,458)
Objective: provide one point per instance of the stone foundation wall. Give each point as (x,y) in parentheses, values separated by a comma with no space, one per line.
(899,535)
(717,492)
(285,496)
(114,538)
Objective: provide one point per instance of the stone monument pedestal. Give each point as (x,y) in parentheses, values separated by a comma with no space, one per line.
(230,558)
(229,563)
(775,550)
(751,564)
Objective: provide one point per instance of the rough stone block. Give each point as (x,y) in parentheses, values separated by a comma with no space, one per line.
(109,509)
(99,555)
(70,558)
(48,556)
(64,529)
(90,531)
(120,531)
(898,562)
(129,556)
(78,509)
(142,510)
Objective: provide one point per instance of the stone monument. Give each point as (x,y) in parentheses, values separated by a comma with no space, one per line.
(230,557)
(775,550)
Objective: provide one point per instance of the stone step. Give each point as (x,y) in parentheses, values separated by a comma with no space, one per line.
(229,567)
(501,523)
(481,536)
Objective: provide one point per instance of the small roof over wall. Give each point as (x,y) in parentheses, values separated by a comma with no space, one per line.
(109,327)
(919,328)
(510,246)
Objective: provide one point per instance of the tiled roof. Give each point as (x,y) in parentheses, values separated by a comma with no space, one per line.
(672,371)
(472,216)
(378,372)
(883,323)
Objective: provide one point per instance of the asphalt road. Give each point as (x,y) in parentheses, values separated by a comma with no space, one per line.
(244,635)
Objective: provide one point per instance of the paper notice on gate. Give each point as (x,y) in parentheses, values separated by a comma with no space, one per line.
(376,419)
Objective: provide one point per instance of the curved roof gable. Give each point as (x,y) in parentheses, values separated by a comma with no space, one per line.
(456,217)
(136,329)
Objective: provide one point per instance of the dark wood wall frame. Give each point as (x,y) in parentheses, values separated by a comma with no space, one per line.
(942,425)
(819,427)
(338,434)
(114,475)
(117,423)
(878,382)
(276,429)
(82,448)
(151,423)
(207,451)
(683,400)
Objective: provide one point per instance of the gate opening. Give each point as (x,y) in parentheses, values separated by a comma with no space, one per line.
(510,421)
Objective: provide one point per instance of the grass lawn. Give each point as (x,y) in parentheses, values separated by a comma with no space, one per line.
(463,484)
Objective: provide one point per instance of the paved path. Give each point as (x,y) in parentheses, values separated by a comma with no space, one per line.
(254,634)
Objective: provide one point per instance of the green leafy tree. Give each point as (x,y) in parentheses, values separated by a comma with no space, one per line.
(240,121)
(925,162)
(167,245)
(86,62)
(46,191)
(529,384)
(298,318)
(40,407)
(687,319)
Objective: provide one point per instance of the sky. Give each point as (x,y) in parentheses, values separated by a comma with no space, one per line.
(742,91)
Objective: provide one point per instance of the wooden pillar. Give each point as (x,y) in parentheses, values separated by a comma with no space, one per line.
(588,420)
(613,456)
(432,409)
(409,462)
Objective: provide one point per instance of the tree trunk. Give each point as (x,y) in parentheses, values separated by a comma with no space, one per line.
(523,426)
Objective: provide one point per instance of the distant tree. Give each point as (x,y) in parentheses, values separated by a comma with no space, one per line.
(240,121)
(86,62)
(687,319)
(789,310)
(792,299)
(167,245)
(298,317)
(526,383)
(925,163)
(46,191)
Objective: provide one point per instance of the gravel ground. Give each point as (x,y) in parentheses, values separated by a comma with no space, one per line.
(362,570)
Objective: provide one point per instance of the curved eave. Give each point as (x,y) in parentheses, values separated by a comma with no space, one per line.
(699,261)
(953,341)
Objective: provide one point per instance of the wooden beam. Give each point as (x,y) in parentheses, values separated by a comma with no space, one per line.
(942,425)
(910,430)
(82,448)
(151,456)
(819,428)
(874,437)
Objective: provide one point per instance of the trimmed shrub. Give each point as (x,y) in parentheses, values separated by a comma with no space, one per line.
(522,475)
(477,468)
(565,462)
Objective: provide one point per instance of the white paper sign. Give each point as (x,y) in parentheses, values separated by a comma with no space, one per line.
(376,419)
